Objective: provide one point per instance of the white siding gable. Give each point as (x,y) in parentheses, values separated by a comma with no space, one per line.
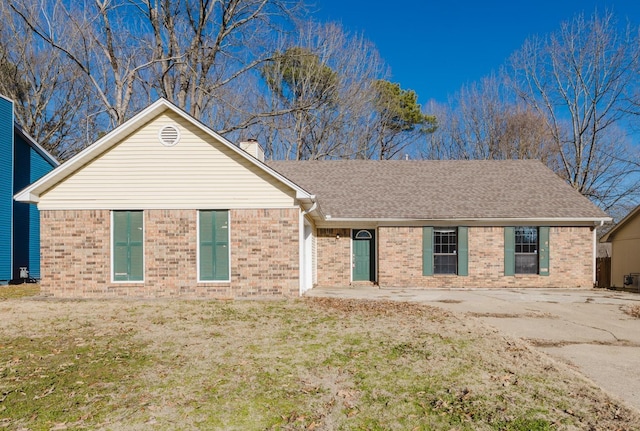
(139,172)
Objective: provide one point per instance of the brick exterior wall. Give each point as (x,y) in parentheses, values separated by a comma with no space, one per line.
(76,255)
(400,259)
(333,257)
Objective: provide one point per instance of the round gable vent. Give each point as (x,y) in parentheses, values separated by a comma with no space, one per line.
(169,135)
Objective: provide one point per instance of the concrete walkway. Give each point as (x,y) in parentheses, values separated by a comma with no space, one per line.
(586,329)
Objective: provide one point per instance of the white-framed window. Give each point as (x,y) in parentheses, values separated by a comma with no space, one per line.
(445,251)
(127,233)
(526,250)
(213,245)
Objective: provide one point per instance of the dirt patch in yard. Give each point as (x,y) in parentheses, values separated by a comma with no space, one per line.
(314,363)
(560,343)
(534,315)
(632,310)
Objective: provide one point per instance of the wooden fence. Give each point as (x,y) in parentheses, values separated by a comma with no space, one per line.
(603,272)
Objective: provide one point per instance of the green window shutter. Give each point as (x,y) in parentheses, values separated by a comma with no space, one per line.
(207,252)
(463,250)
(120,247)
(509,250)
(128,246)
(543,252)
(214,245)
(136,250)
(222,245)
(427,251)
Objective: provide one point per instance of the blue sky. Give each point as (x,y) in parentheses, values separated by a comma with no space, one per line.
(434,47)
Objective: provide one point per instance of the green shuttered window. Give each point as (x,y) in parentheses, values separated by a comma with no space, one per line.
(526,250)
(128,246)
(213,247)
(445,251)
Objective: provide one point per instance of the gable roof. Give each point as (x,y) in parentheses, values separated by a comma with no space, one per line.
(32,193)
(608,237)
(440,190)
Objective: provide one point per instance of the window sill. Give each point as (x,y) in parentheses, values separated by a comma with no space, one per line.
(126,283)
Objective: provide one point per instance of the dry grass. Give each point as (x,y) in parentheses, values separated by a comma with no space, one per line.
(316,364)
(19,291)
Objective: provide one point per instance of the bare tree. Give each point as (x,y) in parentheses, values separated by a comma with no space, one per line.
(484,121)
(581,80)
(102,40)
(202,47)
(189,51)
(47,93)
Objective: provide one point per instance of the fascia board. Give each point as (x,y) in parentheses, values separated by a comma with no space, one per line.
(552,221)
(25,196)
(609,235)
(36,146)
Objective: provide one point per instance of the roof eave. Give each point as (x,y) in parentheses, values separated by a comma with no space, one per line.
(26,197)
(506,221)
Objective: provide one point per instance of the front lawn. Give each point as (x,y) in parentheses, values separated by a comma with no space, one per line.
(320,364)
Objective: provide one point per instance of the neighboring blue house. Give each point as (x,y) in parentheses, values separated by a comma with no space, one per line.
(22,161)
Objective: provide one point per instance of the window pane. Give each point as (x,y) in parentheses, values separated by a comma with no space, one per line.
(444,251)
(526,250)
(363,234)
(526,264)
(445,264)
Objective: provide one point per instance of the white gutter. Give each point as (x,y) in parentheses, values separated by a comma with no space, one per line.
(314,205)
(474,220)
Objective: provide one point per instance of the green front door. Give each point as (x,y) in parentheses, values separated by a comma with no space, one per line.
(363,255)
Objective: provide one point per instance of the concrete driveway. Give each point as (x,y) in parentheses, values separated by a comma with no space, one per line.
(586,329)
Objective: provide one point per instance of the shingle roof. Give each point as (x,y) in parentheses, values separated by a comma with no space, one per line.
(438,189)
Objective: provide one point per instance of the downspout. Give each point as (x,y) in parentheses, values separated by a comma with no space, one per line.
(302,245)
(595,251)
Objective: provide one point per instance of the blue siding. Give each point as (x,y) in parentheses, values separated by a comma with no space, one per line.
(20,210)
(21,163)
(6,188)
(30,166)
(39,168)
